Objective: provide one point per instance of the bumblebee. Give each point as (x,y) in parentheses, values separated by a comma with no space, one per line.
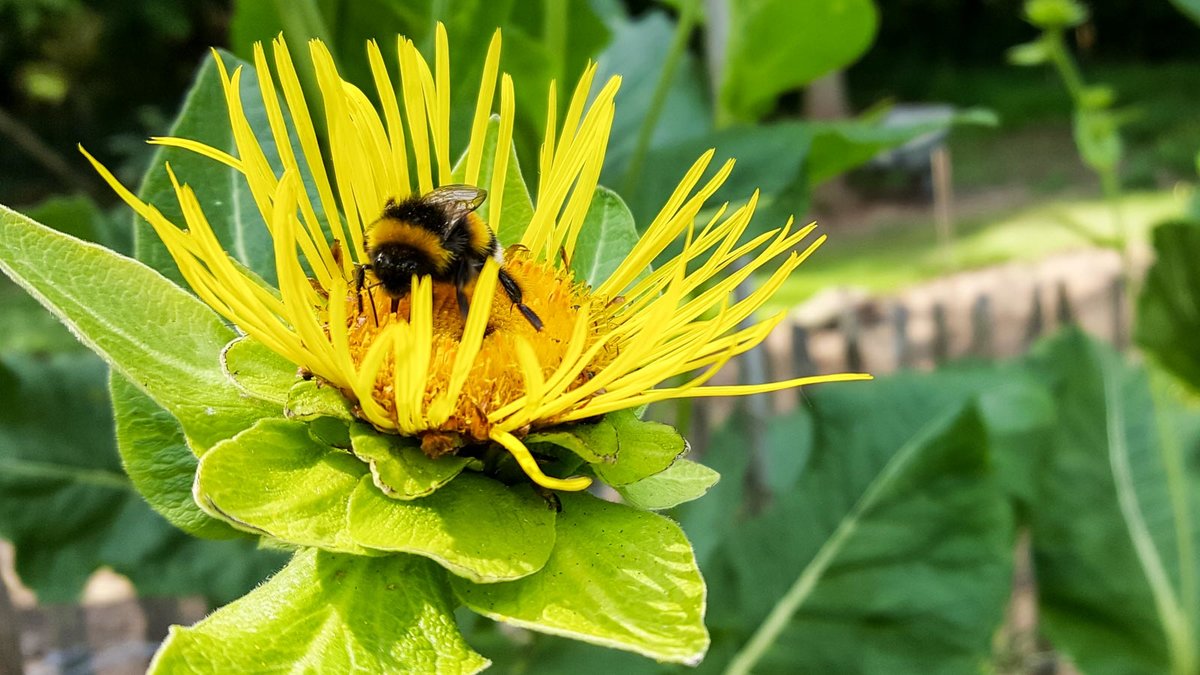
(440,235)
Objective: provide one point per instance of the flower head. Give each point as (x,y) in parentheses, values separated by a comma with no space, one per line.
(415,364)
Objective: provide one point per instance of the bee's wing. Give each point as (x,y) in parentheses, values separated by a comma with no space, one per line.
(456,201)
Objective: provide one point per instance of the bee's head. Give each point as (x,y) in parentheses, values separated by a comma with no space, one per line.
(394,265)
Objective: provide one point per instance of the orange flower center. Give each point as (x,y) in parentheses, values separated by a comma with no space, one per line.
(495,378)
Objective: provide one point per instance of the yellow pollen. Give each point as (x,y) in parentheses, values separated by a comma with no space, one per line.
(496,376)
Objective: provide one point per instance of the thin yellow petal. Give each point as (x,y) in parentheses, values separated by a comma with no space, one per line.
(529,465)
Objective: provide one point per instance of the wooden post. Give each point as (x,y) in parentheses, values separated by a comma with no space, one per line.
(902,346)
(11,662)
(981,327)
(941,335)
(1037,323)
(943,196)
(849,326)
(802,363)
(1117,294)
(1065,314)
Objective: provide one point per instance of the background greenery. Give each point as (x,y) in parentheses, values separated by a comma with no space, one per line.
(877,531)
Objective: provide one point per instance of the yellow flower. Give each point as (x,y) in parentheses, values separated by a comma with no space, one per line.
(423,370)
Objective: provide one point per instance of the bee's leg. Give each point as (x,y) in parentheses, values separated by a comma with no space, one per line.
(513,291)
(462,278)
(360,280)
(395,306)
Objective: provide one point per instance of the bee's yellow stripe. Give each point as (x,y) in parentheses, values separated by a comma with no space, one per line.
(392,231)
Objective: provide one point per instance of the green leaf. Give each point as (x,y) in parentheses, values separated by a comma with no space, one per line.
(155,456)
(1114,530)
(82,218)
(332,614)
(60,482)
(258,371)
(777,45)
(606,238)
(157,335)
(475,527)
(517,207)
(1033,53)
(638,52)
(398,466)
(620,447)
(313,399)
(274,479)
(681,482)
(222,192)
(1168,311)
(841,145)
(1190,8)
(618,577)
(68,509)
(892,553)
(770,158)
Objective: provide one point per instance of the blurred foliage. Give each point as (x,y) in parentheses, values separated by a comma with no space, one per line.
(888,543)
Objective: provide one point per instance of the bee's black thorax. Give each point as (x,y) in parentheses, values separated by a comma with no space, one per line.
(416,212)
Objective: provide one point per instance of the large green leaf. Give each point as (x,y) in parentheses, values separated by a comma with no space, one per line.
(770,158)
(67,507)
(1189,7)
(841,145)
(1168,316)
(330,613)
(155,456)
(892,554)
(777,45)
(606,238)
(638,53)
(1114,529)
(275,479)
(618,577)
(27,327)
(152,332)
(474,526)
(223,193)
(517,206)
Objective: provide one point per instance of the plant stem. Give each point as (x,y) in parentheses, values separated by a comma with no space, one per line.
(683,31)
(1067,69)
(554,34)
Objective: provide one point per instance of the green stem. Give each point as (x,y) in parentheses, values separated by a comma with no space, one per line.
(1066,66)
(683,31)
(554,34)
(72,474)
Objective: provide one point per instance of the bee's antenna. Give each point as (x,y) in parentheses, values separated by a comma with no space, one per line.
(566,260)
